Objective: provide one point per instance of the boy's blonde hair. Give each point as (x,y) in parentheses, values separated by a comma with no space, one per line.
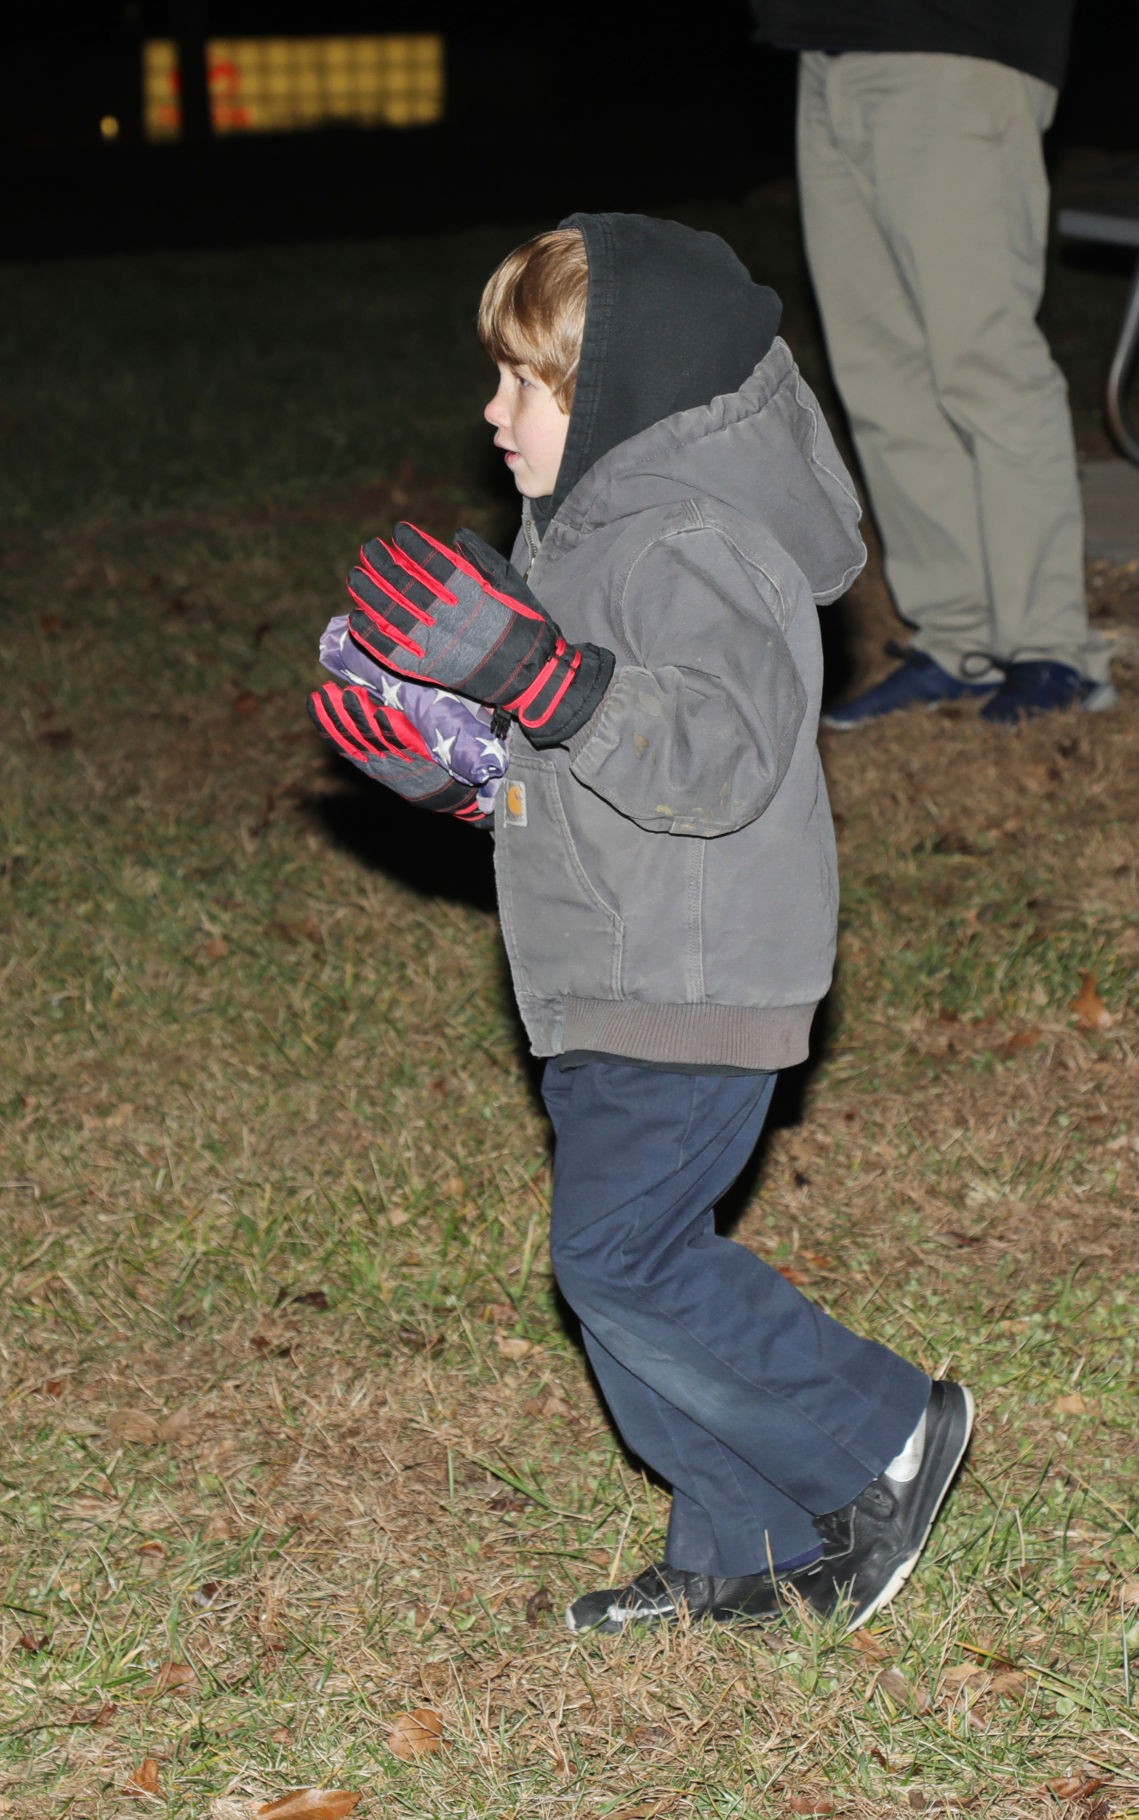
(532,311)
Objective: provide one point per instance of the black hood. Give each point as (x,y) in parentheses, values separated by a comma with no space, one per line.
(673,321)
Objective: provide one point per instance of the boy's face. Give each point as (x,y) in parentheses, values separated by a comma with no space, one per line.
(531,429)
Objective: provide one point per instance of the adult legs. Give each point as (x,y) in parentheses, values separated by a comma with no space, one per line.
(925,215)
(757,1408)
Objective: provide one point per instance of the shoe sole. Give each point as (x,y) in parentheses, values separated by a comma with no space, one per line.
(1100,699)
(617,1619)
(906,1567)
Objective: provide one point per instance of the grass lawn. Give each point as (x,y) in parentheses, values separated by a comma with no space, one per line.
(297,1441)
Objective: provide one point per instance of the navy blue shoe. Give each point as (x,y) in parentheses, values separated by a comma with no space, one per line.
(1037,686)
(918,682)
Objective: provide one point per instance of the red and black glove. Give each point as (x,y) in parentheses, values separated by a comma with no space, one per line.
(383,743)
(466,620)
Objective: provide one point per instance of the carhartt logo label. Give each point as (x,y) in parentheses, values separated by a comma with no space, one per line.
(516,804)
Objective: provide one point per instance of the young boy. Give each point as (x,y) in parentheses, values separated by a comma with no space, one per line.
(667,885)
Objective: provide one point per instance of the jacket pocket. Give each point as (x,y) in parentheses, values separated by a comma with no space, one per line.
(561,934)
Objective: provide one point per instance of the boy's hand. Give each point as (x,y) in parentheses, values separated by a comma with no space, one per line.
(466,619)
(382,743)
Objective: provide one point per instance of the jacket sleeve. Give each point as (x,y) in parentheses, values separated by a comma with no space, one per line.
(695,738)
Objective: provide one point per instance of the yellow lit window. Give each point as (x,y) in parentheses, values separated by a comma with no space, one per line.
(283,85)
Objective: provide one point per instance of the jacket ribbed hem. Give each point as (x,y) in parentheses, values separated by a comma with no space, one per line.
(733,1036)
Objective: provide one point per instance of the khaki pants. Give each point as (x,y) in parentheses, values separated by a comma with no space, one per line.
(925,213)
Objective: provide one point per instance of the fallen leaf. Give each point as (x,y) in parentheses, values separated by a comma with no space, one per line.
(1077,1788)
(961,1672)
(811,1804)
(90,1509)
(911,1695)
(94,1715)
(798,1278)
(1129,1592)
(144,1779)
(538,1604)
(513,1347)
(310,1804)
(417,1341)
(1024,1039)
(868,1645)
(53,1387)
(303,1298)
(178,1429)
(1091,1012)
(508,1501)
(171,1675)
(215,949)
(305,930)
(503,1314)
(415,1734)
(652,1737)
(1073,1405)
(282,1735)
(817,1260)
(33,1644)
(207,1592)
(1012,1685)
(133,1425)
(152,1548)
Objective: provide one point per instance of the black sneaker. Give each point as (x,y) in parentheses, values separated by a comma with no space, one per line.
(662,1594)
(870,1547)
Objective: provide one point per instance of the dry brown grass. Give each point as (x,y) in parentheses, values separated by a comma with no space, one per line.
(289,1401)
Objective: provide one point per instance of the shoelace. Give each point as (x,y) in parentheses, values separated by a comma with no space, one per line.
(835,1528)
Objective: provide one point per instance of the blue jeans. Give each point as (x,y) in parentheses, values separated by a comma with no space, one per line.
(758,1409)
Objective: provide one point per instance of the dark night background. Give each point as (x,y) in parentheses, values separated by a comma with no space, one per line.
(613,105)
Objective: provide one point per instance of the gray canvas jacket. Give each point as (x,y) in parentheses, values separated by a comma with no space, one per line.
(667,882)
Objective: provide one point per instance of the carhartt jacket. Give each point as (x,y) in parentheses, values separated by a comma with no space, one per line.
(667,881)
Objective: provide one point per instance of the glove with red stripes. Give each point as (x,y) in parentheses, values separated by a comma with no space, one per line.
(383,743)
(466,619)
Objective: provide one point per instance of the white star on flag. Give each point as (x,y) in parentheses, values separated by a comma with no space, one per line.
(391,694)
(442,748)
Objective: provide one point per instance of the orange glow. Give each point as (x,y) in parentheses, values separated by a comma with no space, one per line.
(287,85)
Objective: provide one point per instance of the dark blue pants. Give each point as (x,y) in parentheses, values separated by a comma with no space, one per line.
(756,1407)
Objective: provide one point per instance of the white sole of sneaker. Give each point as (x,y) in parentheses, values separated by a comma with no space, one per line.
(905,1568)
